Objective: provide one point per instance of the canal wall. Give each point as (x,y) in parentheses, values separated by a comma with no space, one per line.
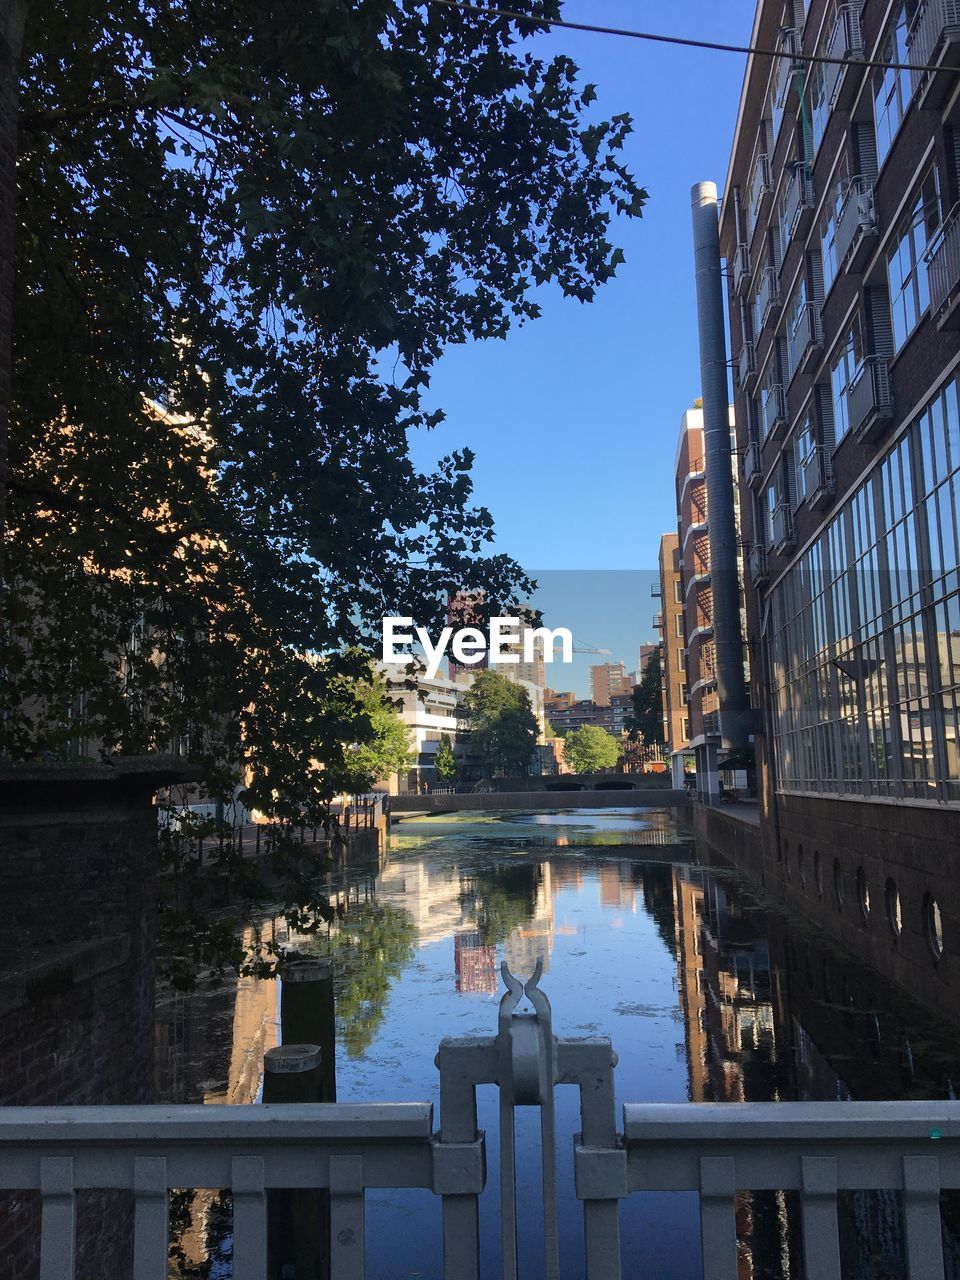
(493,801)
(869,874)
(78,879)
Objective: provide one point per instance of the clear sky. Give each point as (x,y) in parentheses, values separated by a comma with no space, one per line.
(574,417)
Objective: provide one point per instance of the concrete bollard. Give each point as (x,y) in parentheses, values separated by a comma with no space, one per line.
(308,1014)
(298,1219)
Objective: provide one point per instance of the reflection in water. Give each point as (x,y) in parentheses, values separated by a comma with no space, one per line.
(709,994)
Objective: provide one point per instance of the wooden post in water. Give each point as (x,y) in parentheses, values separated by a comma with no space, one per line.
(298,1219)
(308,1013)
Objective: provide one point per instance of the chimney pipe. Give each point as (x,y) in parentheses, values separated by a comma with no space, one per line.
(735,719)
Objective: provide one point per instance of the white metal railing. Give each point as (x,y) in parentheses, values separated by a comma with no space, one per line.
(817,473)
(781,525)
(845,41)
(857,215)
(943,261)
(741,267)
(768,295)
(752,464)
(804,335)
(715,1150)
(747,363)
(935,24)
(798,197)
(774,410)
(869,396)
(757,564)
(761,184)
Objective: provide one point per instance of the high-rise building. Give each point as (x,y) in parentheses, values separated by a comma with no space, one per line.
(841,233)
(644,655)
(606,679)
(533,671)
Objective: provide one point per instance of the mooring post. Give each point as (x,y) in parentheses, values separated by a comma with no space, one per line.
(298,1219)
(308,1014)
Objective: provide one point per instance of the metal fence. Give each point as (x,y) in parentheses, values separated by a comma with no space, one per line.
(818,1150)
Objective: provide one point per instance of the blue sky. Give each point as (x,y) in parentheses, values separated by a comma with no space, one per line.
(574,418)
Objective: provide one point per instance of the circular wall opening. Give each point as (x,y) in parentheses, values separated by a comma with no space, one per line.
(839,889)
(933,925)
(891,898)
(863,894)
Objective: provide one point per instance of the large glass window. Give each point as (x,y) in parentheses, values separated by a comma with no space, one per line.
(843,372)
(865,629)
(892,88)
(906,267)
(804,451)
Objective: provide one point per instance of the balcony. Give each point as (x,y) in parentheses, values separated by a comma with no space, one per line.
(757,565)
(943,272)
(846,41)
(656,591)
(931,41)
(761,185)
(768,296)
(747,366)
(774,411)
(711,724)
(658,622)
(869,399)
(805,339)
(752,466)
(782,527)
(741,269)
(857,224)
(817,476)
(798,202)
(787,67)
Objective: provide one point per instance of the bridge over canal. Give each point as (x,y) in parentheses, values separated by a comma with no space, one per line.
(582,791)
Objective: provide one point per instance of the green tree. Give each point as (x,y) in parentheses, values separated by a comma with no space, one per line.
(503,728)
(246,234)
(446,760)
(590,748)
(646,723)
(383,744)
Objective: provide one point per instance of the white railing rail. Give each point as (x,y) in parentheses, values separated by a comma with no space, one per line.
(715,1150)
(943,261)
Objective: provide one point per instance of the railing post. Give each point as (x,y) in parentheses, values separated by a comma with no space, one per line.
(58,1228)
(718,1225)
(151,1228)
(921,1211)
(346,1217)
(821,1237)
(249,1218)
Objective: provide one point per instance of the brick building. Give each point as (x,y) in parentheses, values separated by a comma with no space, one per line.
(673,670)
(840,230)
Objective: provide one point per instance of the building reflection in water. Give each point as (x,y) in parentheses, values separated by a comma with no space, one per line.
(770,1011)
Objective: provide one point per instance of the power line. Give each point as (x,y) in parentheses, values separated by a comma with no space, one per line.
(811,59)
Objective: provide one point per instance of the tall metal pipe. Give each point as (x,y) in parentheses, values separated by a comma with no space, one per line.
(735,719)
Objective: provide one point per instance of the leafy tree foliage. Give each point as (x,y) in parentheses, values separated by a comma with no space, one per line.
(247,232)
(503,728)
(446,762)
(646,723)
(590,748)
(383,747)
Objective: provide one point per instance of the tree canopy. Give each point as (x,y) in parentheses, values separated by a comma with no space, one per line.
(503,728)
(247,233)
(446,762)
(589,748)
(646,722)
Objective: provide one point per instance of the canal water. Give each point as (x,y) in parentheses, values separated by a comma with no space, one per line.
(708,990)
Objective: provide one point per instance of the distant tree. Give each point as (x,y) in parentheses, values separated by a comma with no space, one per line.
(590,748)
(549,731)
(503,728)
(446,761)
(646,723)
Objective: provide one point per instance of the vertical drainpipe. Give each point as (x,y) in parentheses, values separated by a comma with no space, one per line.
(735,719)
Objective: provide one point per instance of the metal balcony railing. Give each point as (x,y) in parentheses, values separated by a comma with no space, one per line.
(752,466)
(814,1149)
(817,475)
(774,410)
(741,268)
(786,68)
(782,526)
(856,220)
(746,364)
(757,564)
(935,28)
(768,295)
(761,185)
(798,200)
(658,621)
(869,399)
(711,724)
(805,336)
(845,41)
(943,263)
(656,591)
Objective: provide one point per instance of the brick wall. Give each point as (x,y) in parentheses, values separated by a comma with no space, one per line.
(78,879)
